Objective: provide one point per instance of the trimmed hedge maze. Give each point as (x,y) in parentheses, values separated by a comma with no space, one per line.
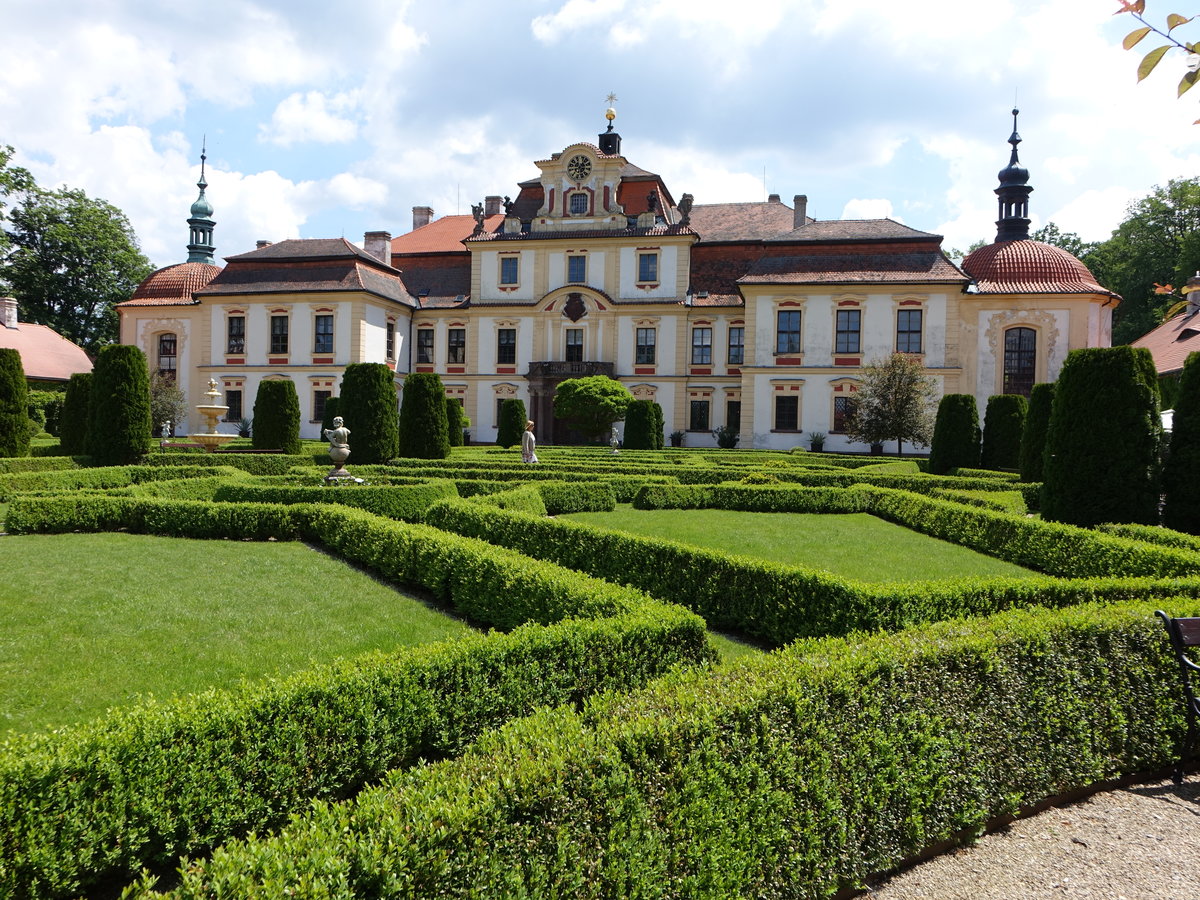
(589,746)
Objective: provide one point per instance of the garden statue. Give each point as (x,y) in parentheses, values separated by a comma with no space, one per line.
(614,441)
(339,448)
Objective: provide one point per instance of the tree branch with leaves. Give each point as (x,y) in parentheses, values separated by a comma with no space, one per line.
(1150,61)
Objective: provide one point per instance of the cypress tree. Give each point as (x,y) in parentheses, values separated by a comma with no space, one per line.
(368,405)
(119,423)
(1003,422)
(660,427)
(454,422)
(1181,475)
(955,434)
(1033,436)
(639,426)
(73,429)
(1101,458)
(511,424)
(14,402)
(423,417)
(276,417)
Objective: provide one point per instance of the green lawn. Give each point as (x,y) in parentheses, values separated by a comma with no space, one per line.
(92,620)
(856,546)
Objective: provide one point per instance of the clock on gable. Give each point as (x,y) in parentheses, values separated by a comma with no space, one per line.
(579,167)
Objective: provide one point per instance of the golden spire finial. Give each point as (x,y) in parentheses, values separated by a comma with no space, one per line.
(610,113)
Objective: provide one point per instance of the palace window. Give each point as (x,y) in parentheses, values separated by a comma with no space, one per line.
(456,346)
(908,330)
(319,398)
(646,338)
(733,414)
(425,345)
(168,355)
(279,334)
(235,334)
(578,204)
(233,399)
(506,346)
(842,409)
(323,334)
(647,267)
(849,331)
(698,416)
(510,269)
(701,346)
(577,269)
(1020,360)
(787,412)
(737,346)
(391,340)
(787,331)
(574,345)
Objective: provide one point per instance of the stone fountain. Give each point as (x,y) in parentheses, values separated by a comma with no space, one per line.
(212,412)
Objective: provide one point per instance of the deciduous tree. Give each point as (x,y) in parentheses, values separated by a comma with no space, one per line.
(592,404)
(895,402)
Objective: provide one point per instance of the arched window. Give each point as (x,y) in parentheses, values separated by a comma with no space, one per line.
(1020,360)
(168,354)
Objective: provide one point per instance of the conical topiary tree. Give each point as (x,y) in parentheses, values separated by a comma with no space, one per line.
(276,417)
(14,401)
(423,417)
(454,422)
(367,402)
(660,427)
(1181,475)
(119,424)
(639,425)
(1101,461)
(955,434)
(1003,423)
(511,424)
(333,409)
(1033,435)
(73,426)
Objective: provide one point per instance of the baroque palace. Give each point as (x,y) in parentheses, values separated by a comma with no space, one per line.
(752,314)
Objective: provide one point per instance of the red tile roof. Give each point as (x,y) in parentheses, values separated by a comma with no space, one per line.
(1030,267)
(855,230)
(741,221)
(45,354)
(1172,341)
(173,285)
(444,235)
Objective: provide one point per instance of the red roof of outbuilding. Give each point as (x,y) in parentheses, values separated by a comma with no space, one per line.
(1030,267)
(45,354)
(444,235)
(1172,341)
(174,285)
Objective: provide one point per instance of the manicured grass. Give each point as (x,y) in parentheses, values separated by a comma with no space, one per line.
(856,546)
(93,620)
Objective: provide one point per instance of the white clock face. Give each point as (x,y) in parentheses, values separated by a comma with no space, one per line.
(579,167)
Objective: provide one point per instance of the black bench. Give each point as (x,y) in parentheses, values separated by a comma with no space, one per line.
(1185,634)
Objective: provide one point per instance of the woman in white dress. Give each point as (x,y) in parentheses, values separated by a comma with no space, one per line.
(528,444)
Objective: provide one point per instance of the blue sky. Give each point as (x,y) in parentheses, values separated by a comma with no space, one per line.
(327,120)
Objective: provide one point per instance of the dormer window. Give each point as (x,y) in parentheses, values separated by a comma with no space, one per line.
(577,204)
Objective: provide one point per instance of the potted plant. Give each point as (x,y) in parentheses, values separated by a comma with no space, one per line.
(677,437)
(727,437)
(816,440)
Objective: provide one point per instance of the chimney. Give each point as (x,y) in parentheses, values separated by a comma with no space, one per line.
(8,309)
(774,198)
(379,245)
(491,205)
(258,245)
(422,216)
(800,215)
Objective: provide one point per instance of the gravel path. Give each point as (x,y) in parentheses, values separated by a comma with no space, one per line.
(1136,843)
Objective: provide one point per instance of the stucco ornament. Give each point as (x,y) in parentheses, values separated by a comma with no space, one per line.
(1047,324)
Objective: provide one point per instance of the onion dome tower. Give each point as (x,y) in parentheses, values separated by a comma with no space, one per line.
(1015,264)
(174,285)
(201,248)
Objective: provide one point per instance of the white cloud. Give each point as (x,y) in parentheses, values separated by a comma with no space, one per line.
(312,117)
(868,208)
